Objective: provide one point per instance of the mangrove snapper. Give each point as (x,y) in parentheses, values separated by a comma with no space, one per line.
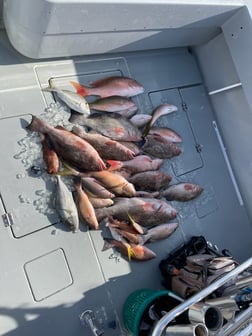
(69,146)
(182,192)
(106,147)
(110,86)
(113,125)
(65,206)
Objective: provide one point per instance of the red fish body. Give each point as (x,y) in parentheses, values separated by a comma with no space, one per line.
(159,147)
(150,180)
(84,206)
(116,104)
(49,155)
(140,163)
(110,86)
(106,147)
(145,211)
(182,192)
(69,146)
(131,251)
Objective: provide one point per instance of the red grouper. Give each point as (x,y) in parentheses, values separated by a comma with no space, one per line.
(69,146)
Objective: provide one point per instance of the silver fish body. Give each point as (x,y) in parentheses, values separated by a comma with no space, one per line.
(65,205)
(182,192)
(72,99)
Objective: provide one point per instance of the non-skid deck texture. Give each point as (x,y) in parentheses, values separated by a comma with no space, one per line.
(49,276)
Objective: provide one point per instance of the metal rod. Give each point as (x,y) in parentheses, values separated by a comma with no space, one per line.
(240,320)
(230,170)
(225,88)
(171,315)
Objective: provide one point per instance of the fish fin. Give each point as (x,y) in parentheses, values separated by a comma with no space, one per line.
(147,129)
(136,226)
(110,142)
(114,165)
(76,118)
(59,127)
(108,243)
(80,89)
(36,124)
(67,170)
(130,251)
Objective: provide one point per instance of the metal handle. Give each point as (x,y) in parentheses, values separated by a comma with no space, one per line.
(171,315)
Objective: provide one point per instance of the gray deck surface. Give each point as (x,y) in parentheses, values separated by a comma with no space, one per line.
(49,276)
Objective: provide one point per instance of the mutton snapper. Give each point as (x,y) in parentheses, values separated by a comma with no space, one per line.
(113,125)
(65,206)
(110,86)
(69,146)
(145,211)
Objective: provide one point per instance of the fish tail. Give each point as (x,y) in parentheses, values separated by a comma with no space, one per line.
(37,125)
(114,165)
(108,243)
(76,117)
(81,89)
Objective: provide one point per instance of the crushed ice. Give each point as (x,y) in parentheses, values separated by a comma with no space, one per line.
(30,155)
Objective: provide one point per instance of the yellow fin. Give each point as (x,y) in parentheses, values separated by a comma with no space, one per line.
(130,251)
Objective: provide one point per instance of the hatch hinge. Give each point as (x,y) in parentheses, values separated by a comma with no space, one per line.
(8,219)
(184,106)
(198,147)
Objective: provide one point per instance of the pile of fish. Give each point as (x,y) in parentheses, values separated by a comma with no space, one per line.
(112,157)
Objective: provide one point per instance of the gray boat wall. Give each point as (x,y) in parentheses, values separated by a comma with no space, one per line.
(193,54)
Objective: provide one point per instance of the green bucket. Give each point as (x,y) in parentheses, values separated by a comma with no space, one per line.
(136,304)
